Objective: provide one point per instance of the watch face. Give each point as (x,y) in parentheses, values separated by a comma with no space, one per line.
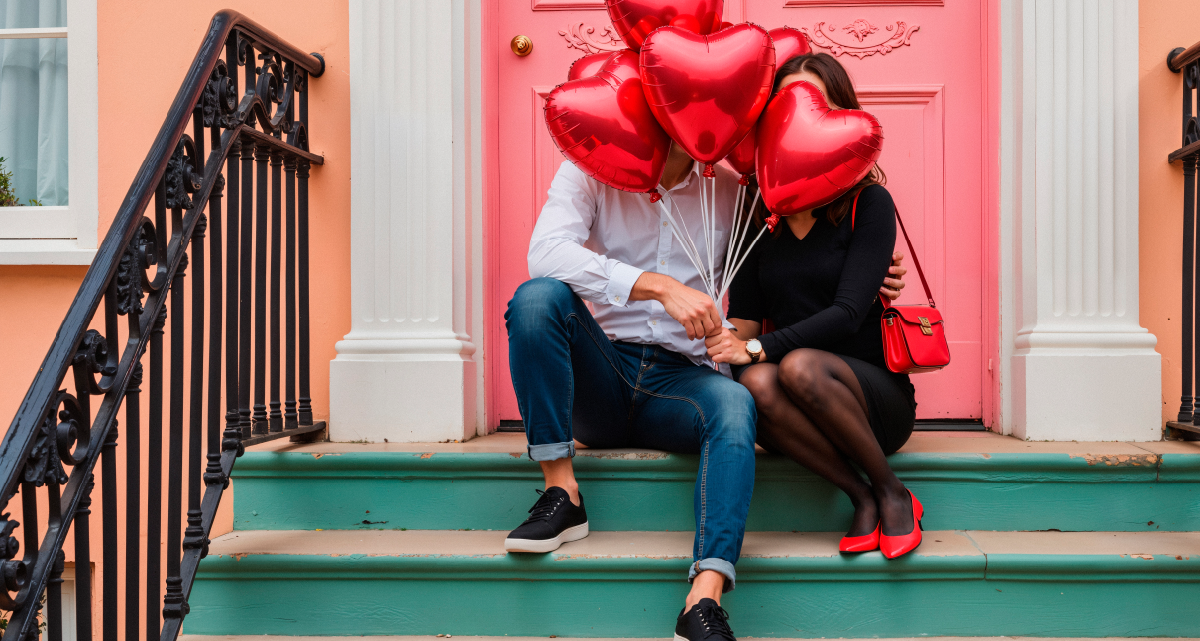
(753,346)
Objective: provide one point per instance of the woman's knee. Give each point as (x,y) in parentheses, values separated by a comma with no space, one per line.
(802,376)
(536,302)
(762,381)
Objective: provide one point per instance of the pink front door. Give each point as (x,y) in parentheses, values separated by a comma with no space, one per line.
(919,66)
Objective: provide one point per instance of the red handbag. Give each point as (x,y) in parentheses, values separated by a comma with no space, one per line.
(914,336)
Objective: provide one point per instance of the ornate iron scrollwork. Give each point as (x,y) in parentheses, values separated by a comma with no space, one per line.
(14,575)
(132,279)
(181,176)
(44,464)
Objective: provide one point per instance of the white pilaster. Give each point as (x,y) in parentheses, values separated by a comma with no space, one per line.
(406,371)
(1080,366)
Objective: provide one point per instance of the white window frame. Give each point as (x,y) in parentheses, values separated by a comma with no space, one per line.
(64,235)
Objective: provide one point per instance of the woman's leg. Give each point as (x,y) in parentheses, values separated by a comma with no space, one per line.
(825,389)
(786,429)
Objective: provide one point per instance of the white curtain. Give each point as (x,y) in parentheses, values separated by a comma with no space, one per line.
(33,101)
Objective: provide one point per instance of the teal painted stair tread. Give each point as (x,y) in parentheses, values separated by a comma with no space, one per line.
(487,485)
(628,584)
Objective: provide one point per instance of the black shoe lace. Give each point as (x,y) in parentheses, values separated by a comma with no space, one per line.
(544,508)
(716,622)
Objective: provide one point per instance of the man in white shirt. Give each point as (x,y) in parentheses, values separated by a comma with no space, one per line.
(635,373)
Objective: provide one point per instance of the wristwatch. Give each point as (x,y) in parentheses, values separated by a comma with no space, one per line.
(754,349)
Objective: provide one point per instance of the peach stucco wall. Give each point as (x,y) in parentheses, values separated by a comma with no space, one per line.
(1164,25)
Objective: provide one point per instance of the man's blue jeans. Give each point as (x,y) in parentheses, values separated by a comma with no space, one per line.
(573,383)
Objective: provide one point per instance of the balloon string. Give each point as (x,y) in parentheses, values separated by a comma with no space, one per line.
(712,269)
(734,236)
(739,255)
(692,252)
(742,260)
(705,215)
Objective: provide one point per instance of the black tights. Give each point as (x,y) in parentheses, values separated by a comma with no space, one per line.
(811,409)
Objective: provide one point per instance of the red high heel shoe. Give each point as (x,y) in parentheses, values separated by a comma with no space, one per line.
(894,546)
(864,543)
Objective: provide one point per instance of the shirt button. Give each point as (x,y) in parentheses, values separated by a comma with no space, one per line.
(663,262)
(617,298)
(664,224)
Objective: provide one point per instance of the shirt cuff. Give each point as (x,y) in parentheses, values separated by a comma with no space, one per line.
(620,283)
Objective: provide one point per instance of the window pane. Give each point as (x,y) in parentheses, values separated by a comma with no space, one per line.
(30,14)
(33,118)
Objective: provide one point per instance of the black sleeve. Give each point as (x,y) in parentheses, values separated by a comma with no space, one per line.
(867,260)
(745,292)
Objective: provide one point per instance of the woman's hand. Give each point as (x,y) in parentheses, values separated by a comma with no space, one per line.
(724,347)
(894,281)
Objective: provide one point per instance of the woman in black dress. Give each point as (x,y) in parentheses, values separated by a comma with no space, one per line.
(825,397)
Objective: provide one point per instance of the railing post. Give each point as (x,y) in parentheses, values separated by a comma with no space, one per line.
(193,536)
(133,500)
(108,524)
(173,604)
(83,564)
(1189,246)
(245,293)
(276,421)
(261,154)
(306,413)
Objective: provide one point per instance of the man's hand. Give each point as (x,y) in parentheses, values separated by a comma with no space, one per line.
(724,347)
(894,282)
(695,310)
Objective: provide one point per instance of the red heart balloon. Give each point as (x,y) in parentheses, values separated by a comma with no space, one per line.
(707,91)
(789,43)
(742,156)
(809,154)
(603,125)
(588,65)
(635,19)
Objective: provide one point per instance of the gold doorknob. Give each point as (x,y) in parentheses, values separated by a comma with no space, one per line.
(521,45)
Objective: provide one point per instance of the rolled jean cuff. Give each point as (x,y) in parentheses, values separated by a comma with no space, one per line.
(552,451)
(719,565)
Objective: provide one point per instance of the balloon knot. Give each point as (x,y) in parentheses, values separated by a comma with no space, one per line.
(708,171)
(655,196)
(744,180)
(771,221)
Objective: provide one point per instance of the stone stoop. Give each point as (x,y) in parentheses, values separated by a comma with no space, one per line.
(307,558)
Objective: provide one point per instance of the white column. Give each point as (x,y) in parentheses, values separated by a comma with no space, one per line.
(406,371)
(1080,366)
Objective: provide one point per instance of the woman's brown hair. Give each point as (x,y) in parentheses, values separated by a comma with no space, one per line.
(840,90)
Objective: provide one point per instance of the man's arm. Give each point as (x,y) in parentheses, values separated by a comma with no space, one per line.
(695,310)
(556,248)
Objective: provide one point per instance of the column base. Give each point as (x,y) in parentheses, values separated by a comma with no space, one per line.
(1072,395)
(401,397)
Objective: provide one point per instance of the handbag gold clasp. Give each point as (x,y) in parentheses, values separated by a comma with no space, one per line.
(926,328)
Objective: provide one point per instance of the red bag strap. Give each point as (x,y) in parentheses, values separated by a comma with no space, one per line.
(911,252)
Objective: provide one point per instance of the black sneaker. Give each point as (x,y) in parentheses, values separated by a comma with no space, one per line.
(552,521)
(706,620)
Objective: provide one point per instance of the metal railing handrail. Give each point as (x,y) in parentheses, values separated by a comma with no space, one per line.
(53,427)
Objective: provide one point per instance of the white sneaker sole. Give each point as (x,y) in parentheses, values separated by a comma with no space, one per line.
(679,638)
(547,545)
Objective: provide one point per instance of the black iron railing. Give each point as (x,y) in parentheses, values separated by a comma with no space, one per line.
(1187,423)
(230,165)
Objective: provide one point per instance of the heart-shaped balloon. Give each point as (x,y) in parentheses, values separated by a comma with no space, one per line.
(707,91)
(742,156)
(809,154)
(635,19)
(789,43)
(588,65)
(603,125)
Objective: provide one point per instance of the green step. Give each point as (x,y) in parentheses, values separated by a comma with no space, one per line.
(631,584)
(351,487)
